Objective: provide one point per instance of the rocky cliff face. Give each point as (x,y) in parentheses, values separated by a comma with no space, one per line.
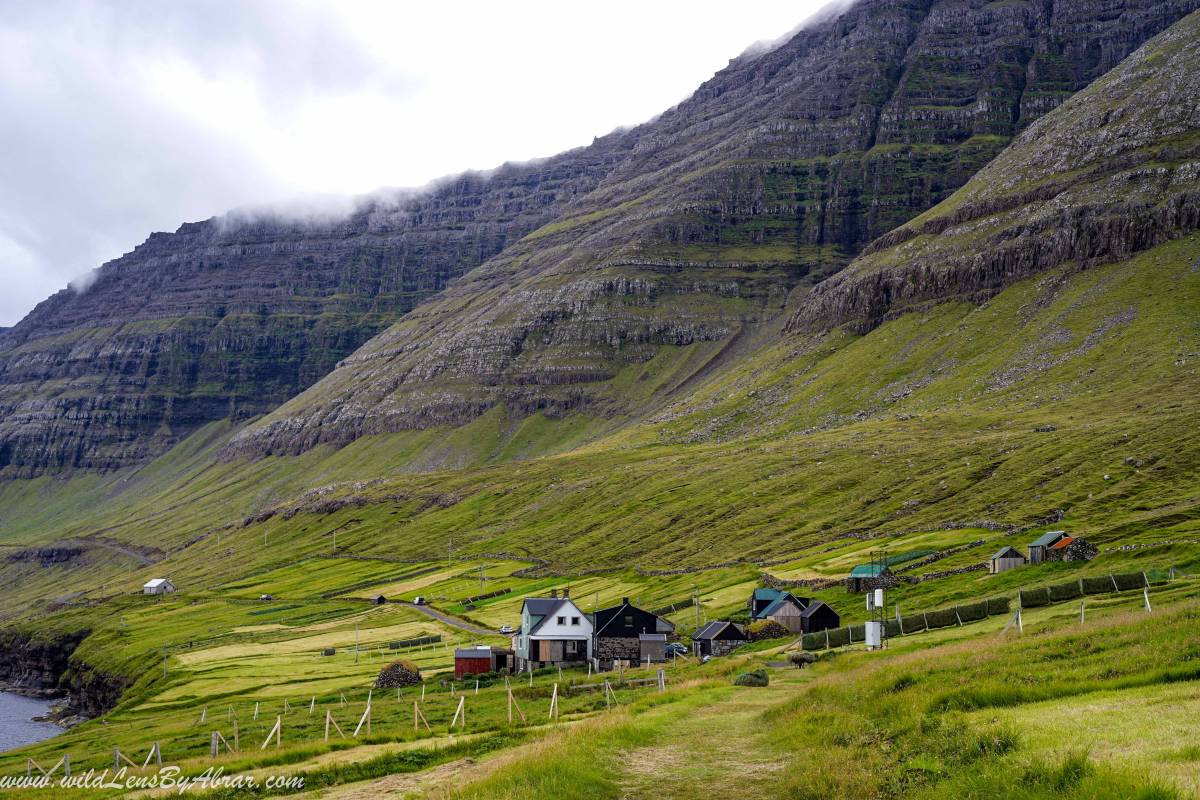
(1114,171)
(771,177)
(230,317)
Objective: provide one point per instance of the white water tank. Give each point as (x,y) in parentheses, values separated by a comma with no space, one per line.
(874,635)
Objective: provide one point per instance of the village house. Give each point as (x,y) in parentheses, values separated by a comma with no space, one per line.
(553,631)
(1040,546)
(718,638)
(158,586)
(1006,558)
(619,633)
(479,659)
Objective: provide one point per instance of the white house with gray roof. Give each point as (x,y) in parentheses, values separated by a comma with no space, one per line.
(553,631)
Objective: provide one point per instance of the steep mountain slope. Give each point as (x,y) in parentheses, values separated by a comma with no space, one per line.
(771,177)
(232,316)
(1114,172)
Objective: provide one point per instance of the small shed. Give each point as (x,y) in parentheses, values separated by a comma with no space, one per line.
(1039,548)
(653,646)
(478,660)
(1006,558)
(868,577)
(718,638)
(158,586)
(378,599)
(818,616)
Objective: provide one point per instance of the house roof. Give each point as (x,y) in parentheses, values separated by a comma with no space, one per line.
(812,608)
(154,583)
(767,594)
(543,608)
(652,637)
(1048,538)
(779,602)
(480,651)
(1008,552)
(867,571)
(1062,543)
(714,629)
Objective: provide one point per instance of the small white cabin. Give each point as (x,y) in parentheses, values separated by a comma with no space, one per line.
(158,586)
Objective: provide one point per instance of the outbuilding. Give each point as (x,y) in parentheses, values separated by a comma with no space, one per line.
(1040,547)
(653,647)
(378,600)
(1006,558)
(818,616)
(778,606)
(718,638)
(478,660)
(868,577)
(158,586)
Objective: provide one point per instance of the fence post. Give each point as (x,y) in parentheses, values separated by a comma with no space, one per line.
(1146,597)
(1081,602)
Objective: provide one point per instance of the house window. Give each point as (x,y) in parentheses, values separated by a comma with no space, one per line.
(572,647)
(562,620)
(574,620)
(628,620)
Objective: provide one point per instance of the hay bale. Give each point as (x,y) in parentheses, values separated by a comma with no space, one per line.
(758,677)
(400,672)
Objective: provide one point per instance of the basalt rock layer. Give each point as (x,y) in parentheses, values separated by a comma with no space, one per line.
(1114,171)
(230,317)
(773,176)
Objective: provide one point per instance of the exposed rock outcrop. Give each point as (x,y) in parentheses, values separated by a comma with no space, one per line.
(1114,171)
(772,176)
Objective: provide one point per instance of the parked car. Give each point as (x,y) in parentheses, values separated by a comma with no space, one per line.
(676,649)
(506,630)
(418,600)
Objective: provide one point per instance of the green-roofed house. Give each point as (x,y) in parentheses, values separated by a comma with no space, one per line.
(1039,547)
(866,577)
(1006,558)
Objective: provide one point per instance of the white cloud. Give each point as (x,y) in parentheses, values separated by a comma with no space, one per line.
(126,117)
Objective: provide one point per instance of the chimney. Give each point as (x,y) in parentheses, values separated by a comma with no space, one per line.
(566,591)
(625,600)
(554,594)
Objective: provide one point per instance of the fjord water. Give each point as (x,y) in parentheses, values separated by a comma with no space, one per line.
(16,726)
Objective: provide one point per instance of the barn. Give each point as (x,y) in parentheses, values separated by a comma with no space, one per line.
(868,577)
(1006,558)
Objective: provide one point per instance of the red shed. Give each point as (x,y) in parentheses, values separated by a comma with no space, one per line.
(476,660)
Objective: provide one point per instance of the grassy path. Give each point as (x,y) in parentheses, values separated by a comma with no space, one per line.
(721,751)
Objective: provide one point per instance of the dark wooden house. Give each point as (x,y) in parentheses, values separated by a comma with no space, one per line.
(617,633)
(818,616)
(718,638)
(1039,547)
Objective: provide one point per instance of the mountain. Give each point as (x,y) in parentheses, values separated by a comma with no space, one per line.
(230,317)
(772,177)
(653,254)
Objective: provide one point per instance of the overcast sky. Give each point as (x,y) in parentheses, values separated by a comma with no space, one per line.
(125,117)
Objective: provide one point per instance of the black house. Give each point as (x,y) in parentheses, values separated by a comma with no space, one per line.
(617,632)
(718,638)
(817,616)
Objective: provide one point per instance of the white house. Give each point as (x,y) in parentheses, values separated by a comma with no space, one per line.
(553,631)
(158,586)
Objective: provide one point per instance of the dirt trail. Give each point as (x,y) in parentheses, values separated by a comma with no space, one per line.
(723,752)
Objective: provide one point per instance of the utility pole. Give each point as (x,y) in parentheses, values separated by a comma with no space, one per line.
(481,578)
(356,643)
(449,546)
(696,603)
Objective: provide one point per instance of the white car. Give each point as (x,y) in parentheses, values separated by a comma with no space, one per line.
(507,630)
